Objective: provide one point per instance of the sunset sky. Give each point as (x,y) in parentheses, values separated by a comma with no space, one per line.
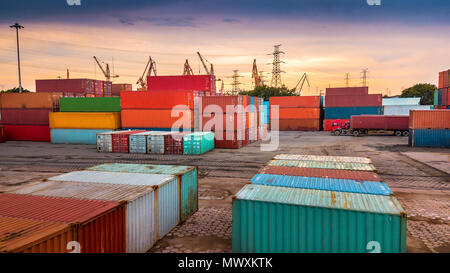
(401,42)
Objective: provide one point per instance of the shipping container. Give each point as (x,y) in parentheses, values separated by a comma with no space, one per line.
(285,220)
(380,122)
(326,184)
(198,143)
(347,91)
(173,143)
(400,101)
(353,100)
(231,139)
(2,134)
(299,113)
(444,79)
(117,88)
(27,133)
(75,136)
(328,123)
(212,104)
(403,110)
(182,83)
(24,116)
(80,120)
(347,112)
(299,124)
(187,181)
(225,121)
(30,100)
(157,118)
(83,86)
(89,104)
(139,200)
(156,100)
(138,143)
(19,235)
(296,101)
(120,141)
(344,159)
(156,141)
(100,224)
(436,97)
(429,138)
(433,119)
(166,192)
(325,173)
(323,165)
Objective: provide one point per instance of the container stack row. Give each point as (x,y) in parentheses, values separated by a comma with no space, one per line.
(76,87)
(297,113)
(402,106)
(25,115)
(429,128)
(81,119)
(110,208)
(317,204)
(442,96)
(155,142)
(344,102)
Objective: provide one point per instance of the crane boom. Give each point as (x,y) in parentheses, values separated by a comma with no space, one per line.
(106,70)
(203,63)
(255,75)
(187,69)
(301,82)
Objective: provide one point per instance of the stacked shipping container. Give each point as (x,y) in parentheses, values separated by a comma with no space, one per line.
(116,88)
(323,213)
(299,113)
(402,106)
(442,97)
(25,115)
(344,102)
(75,87)
(429,128)
(185,83)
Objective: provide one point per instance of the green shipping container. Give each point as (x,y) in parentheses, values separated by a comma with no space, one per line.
(436,97)
(198,143)
(187,181)
(270,219)
(101,104)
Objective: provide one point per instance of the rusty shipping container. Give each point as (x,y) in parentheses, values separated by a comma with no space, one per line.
(324,173)
(353,100)
(100,224)
(346,91)
(19,235)
(296,101)
(429,119)
(30,100)
(24,116)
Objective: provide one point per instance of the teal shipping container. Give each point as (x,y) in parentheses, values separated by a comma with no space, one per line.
(187,181)
(75,136)
(347,112)
(270,219)
(100,104)
(323,165)
(429,138)
(198,143)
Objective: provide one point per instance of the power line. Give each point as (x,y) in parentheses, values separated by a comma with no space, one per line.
(276,69)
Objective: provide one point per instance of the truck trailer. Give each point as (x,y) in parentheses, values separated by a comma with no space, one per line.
(363,124)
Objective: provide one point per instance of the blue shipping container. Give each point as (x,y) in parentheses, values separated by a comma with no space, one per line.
(429,138)
(347,112)
(266,112)
(327,184)
(75,136)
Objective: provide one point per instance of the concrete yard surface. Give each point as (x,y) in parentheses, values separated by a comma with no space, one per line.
(419,178)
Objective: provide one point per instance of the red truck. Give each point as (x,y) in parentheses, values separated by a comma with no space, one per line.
(363,124)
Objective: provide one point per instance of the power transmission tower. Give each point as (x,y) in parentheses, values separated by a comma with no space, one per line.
(347,79)
(364,75)
(17,27)
(235,84)
(276,69)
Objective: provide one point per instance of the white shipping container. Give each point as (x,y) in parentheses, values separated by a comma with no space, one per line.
(155,142)
(403,110)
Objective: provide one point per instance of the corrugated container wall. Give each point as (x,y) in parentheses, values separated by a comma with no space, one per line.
(347,91)
(75,136)
(353,100)
(343,159)
(182,83)
(90,104)
(27,133)
(347,112)
(403,110)
(433,119)
(80,120)
(284,220)
(380,122)
(323,165)
(30,100)
(400,101)
(429,138)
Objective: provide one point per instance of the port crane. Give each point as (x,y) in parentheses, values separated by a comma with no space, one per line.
(203,60)
(256,76)
(149,68)
(301,82)
(187,69)
(105,70)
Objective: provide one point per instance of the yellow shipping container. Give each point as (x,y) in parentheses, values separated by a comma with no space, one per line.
(78,120)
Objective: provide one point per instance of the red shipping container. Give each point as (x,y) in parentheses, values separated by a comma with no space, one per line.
(328,123)
(181,83)
(121,140)
(441,80)
(353,100)
(24,116)
(230,139)
(444,79)
(85,86)
(296,101)
(222,102)
(155,100)
(155,118)
(27,133)
(100,224)
(299,124)
(380,122)
(445,96)
(324,173)
(429,119)
(346,91)
(173,143)
(2,134)
(229,122)
(117,88)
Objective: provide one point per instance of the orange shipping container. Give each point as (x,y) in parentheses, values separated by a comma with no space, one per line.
(299,124)
(34,236)
(429,119)
(156,118)
(299,113)
(296,101)
(30,100)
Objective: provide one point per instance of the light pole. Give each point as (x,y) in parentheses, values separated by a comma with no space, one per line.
(17,27)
